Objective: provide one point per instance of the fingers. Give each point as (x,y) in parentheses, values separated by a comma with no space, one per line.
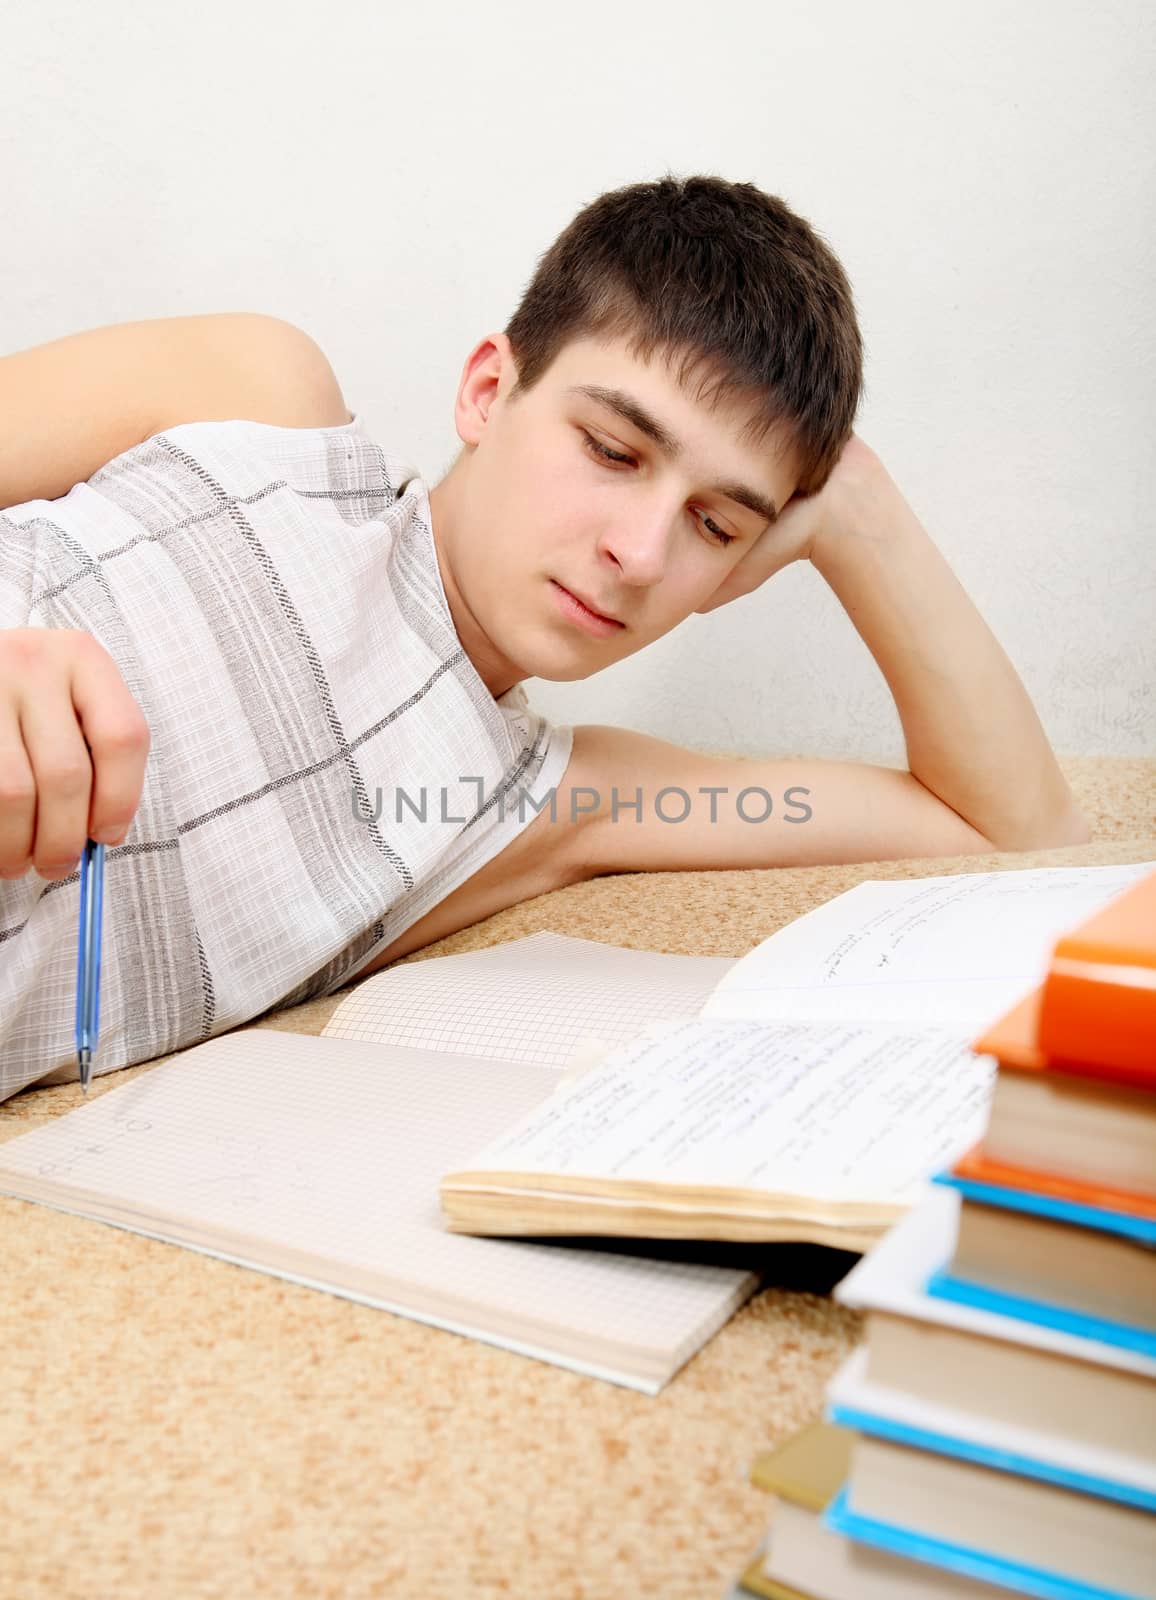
(788,540)
(17,797)
(73,748)
(62,775)
(118,736)
(741,579)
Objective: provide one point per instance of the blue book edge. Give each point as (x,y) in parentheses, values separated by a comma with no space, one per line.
(870,1422)
(943,1285)
(964,1559)
(1100,1218)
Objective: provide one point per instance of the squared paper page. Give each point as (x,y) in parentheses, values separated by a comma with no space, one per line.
(954,951)
(319,1160)
(833,1111)
(533,1000)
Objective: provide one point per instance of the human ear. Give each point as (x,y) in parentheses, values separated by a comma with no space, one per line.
(488,367)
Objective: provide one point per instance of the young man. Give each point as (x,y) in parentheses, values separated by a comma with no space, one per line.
(212,646)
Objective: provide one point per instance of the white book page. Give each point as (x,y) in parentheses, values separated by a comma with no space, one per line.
(318,1160)
(835,1111)
(954,952)
(533,1000)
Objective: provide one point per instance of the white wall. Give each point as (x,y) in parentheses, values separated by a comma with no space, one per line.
(387,177)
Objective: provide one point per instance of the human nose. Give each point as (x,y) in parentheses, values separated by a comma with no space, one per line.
(639,548)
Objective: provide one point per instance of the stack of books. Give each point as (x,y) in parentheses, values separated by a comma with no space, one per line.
(996,1432)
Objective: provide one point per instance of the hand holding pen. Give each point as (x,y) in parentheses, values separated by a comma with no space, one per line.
(73,748)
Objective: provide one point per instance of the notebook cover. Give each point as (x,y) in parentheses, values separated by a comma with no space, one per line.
(1102,1219)
(944,1285)
(1021,1180)
(964,1559)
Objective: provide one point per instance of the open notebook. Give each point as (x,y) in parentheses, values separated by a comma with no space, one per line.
(319,1159)
(830,1072)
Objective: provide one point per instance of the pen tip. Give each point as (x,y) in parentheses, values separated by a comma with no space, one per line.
(84,1062)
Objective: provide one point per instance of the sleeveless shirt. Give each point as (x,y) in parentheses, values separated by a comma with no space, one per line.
(325,762)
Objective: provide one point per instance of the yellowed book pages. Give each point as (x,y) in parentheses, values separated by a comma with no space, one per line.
(734,1130)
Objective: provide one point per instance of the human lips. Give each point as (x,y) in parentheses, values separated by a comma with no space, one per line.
(589,605)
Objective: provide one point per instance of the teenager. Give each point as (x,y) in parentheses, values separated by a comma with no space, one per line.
(280,677)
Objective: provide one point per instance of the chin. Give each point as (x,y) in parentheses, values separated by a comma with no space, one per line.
(559,675)
(554,663)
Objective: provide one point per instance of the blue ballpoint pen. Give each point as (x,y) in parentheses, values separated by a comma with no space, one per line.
(88,958)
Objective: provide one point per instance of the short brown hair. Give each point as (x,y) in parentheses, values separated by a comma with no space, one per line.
(722,274)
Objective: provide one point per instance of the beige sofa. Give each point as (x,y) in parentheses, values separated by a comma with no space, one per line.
(174,1426)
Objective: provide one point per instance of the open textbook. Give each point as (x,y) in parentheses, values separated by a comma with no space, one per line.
(829,1073)
(319,1159)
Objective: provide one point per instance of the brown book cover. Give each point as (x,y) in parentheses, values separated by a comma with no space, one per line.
(756,1580)
(808,1468)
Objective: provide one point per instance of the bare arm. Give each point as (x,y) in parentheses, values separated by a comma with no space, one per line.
(973,737)
(70,406)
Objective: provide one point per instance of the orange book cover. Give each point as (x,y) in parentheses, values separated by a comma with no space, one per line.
(1094,1015)
(1099,995)
(976,1166)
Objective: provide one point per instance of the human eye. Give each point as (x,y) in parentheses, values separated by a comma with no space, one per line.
(717,533)
(601,453)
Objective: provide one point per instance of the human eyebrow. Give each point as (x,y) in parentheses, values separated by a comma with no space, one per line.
(627,407)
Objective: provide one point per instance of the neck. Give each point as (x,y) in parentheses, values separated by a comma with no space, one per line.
(496,672)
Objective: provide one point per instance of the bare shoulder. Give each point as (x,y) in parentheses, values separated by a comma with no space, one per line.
(549,853)
(538,860)
(69,406)
(245,364)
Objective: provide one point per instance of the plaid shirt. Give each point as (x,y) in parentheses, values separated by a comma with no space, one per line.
(272,599)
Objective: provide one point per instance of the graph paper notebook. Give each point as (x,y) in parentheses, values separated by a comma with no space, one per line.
(318,1159)
(287,1165)
(547,1000)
